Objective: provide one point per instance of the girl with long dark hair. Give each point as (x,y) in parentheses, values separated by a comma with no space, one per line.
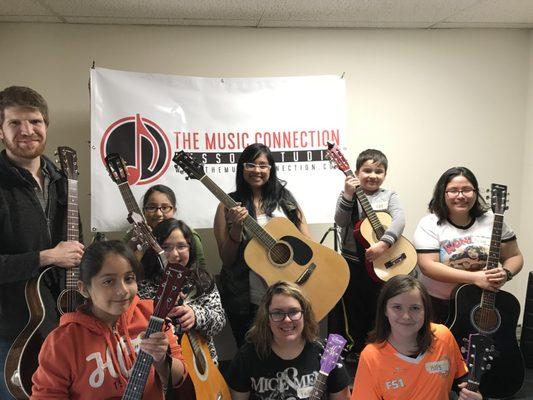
(92,352)
(261,195)
(453,241)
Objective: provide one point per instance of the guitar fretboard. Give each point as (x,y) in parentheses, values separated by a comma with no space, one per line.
(73,230)
(376,224)
(319,387)
(141,367)
(249,223)
(488,298)
(129,199)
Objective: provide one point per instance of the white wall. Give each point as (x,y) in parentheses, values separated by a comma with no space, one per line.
(430,99)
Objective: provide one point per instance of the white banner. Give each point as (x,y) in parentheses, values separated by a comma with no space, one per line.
(147,117)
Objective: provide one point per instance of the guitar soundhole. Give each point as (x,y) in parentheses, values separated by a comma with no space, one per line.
(485,320)
(280,254)
(69,300)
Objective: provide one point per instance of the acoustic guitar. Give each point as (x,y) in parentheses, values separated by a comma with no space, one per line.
(22,360)
(208,382)
(494,314)
(479,359)
(400,258)
(279,251)
(118,172)
(167,294)
(334,346)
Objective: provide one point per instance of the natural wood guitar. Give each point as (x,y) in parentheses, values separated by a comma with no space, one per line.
(53,282)
(279,251)
(209,384)
(494,314)
(400,258)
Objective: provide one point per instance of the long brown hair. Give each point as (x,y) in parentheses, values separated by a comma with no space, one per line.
(260,334)
(395,286)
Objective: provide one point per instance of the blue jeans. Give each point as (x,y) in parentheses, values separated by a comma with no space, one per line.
(4,349)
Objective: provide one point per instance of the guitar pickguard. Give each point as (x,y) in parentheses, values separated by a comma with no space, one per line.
(302,253)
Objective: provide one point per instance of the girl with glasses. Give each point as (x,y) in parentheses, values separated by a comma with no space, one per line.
(159,204)
(453,241)
(92,352)
(201,308)
(281,358)
(261,195)
(408,357)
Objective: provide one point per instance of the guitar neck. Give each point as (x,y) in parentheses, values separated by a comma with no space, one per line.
(376,224)
(129,199)
(141,367)
(473,386)
(73,229)
(488,298)
(250,224)
(320,387)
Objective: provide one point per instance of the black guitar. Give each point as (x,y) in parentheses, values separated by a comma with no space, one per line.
(52,283)
(479,359)
(493,314)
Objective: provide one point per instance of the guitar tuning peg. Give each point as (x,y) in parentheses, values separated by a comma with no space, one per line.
(466,340)
(463,350)
(339,365)
(488,367)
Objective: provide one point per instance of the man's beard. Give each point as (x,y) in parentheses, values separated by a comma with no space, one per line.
(27,153)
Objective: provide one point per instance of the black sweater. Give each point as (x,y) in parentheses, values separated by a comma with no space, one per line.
(25,230)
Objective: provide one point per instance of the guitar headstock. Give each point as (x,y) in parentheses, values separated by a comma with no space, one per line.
(480,352)
(498,198)
(169,289)
(334,346)
(189,165)
(337,158)
(68,160)
(116,167)
(143,233)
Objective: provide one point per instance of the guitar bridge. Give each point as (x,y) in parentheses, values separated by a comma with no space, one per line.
(394,261)
(306,274)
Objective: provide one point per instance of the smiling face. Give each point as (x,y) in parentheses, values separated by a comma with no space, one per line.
(459,203)
(371,175)
(176,248)
(23,132)
(405,313)
(153,210)
(257,176)
(286,331)
(111,290)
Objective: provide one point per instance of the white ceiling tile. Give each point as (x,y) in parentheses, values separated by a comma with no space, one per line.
(22,8)
(205,9)
(160,21)
(365,11)
(501,11)
(30,18)
(278,13)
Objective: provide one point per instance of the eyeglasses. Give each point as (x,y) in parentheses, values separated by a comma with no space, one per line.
(168,248)
(278,316)
(467,192)
(251,166)
(153,209)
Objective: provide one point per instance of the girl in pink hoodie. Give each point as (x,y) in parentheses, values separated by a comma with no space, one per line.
(91,354)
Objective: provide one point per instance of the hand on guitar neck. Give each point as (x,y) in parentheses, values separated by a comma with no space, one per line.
(377,249)
(66,254)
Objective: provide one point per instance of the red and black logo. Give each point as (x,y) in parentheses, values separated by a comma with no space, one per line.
(142,144)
